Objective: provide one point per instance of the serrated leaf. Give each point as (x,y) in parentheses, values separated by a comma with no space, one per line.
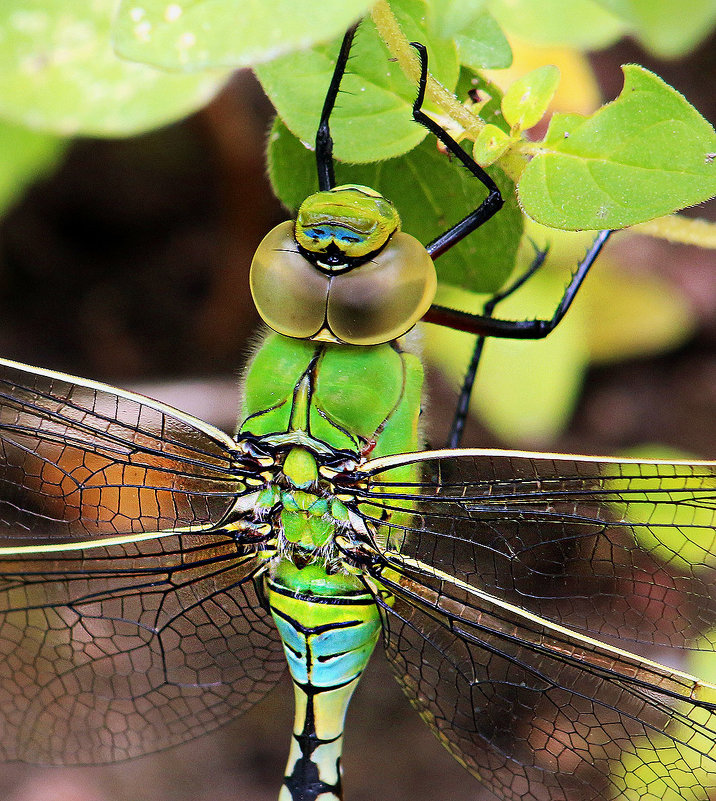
(374,89)
(430,192)
(483,45)
(644,155)
(526,101)
(26,155)
(59,73)
(581,24)
(446,18)
(193,35)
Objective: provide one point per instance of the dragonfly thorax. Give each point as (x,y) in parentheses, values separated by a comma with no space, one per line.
(344,272)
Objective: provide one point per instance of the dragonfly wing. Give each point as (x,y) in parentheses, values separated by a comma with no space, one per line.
(535,602)
(128,622)
(80,459)
(133,649)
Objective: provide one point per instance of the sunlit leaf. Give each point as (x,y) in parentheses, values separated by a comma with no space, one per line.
(26,155)
(58,73)
(373,116)
(446,18)
(668,28)
(644,155)
(575,23)
(199,34)
(526,101)
(483,45)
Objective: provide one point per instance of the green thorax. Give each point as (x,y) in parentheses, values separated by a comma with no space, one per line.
(333,397)
(308,403)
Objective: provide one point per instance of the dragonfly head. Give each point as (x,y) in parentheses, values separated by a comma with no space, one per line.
(341,227)
(344,272)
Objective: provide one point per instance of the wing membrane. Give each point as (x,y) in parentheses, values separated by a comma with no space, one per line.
(135,649)
(79,460)
(536,603)
(112,650)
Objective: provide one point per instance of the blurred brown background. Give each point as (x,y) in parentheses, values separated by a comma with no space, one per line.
(130,265)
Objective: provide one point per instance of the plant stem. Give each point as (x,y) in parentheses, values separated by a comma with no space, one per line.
(399,47)
(395,40)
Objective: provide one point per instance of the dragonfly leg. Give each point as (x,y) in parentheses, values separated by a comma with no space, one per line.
(494,200)
(488,326)
(463,404)
(324,141)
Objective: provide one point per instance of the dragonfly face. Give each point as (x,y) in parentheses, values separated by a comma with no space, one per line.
(343,272)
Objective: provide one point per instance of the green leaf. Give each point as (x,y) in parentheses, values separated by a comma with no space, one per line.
(483,45)
(446,18)
(201,34)
(373,116)
(646,154)
(581,24)
(431,193)
(26,155)
(491,112)
(634,315)
(58,73)
(490,144)
(526,101)
(620,8)
(668,28)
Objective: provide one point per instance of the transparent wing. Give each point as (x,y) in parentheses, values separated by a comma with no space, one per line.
(126,623)
(548,616)
(79,459)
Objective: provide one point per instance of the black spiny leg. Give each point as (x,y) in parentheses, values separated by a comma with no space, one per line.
(489,206)
(324,142)
(485,325)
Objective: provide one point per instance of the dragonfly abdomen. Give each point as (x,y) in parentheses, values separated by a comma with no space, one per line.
(328,640)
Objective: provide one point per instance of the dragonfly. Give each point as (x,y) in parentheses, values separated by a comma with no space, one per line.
(544,613)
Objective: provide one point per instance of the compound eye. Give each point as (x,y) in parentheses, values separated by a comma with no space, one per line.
(383,299)
(288,291)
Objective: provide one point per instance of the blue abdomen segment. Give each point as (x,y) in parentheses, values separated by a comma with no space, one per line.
(327,655)
(328,640)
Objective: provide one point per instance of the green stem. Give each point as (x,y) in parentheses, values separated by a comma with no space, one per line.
(399,47)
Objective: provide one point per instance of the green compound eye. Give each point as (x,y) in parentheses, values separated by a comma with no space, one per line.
(374,302)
